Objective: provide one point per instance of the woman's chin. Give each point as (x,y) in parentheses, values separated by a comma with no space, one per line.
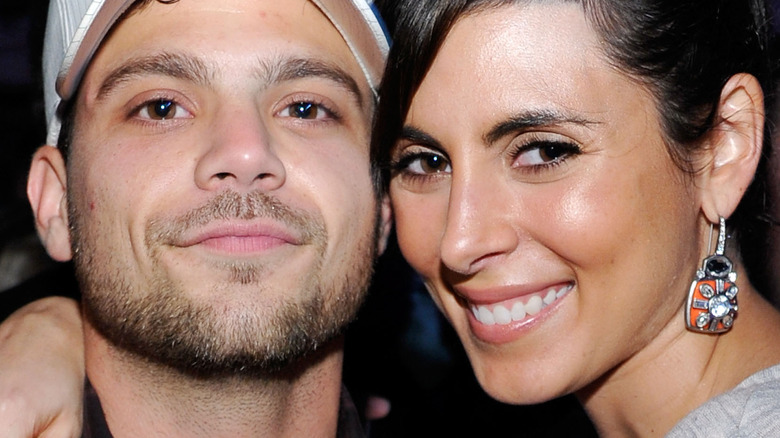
(512,383)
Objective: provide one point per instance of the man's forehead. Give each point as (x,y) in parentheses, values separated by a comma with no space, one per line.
(360,39)
(283,45)
(296,24)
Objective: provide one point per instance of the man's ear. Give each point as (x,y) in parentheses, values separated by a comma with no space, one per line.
(385,224)
(46,190)
(734,147)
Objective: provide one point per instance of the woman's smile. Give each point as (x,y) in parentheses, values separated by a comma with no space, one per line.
(538,213)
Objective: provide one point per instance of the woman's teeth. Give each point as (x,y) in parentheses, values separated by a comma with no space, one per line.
(511,311)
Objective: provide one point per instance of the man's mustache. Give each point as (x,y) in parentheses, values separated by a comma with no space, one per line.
(231,205)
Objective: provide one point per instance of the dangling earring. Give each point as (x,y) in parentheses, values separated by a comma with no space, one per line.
(712,300)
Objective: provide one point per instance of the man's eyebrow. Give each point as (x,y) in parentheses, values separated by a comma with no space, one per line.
(175,65)
(532,119)
(288,69)
(193,69)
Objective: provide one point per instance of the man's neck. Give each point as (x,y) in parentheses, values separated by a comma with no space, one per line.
(144,399)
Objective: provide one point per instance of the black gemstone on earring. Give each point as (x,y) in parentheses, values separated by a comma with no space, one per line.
(718,266)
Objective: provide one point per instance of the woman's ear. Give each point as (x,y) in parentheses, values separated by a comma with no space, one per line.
(734,147)
(46,190)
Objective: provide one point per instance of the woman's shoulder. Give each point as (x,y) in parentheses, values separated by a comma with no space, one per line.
(749,410)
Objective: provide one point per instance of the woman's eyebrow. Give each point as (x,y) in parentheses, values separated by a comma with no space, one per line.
(532,119)
(417,135)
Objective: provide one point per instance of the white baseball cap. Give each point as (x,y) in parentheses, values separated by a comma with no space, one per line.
(75,29)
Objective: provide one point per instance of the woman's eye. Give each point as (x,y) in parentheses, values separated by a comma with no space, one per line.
(544,153)
(305,110)
(162,109)
(425,163)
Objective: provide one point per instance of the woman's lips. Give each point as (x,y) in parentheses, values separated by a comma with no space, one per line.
(500,315)
(517,309)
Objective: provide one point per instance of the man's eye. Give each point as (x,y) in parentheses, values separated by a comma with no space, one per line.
(162,109)
(305,110)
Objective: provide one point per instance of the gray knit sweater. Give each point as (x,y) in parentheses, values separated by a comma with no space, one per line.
(750,410)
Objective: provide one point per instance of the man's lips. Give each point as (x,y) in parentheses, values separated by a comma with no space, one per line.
(238,237)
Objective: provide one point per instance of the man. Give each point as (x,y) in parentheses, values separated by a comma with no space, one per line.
(211,181)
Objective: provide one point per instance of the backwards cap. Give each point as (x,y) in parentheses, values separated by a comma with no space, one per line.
(75,29)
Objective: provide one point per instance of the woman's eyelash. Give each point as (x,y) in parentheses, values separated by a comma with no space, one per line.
(407,158)
(550,152)
(402,162)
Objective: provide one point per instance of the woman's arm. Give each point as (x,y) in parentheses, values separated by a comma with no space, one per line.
(42,370)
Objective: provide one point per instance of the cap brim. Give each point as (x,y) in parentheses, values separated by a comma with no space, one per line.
(363,32)
(97,22)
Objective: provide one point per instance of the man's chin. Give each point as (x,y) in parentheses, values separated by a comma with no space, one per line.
(219,339)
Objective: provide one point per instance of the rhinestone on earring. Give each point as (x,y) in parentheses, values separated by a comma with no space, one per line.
(712,299)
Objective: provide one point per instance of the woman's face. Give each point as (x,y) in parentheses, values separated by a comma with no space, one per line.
(534,194)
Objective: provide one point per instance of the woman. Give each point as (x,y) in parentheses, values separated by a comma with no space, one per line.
(558,174)
(561,174)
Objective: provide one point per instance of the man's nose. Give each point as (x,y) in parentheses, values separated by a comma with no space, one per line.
(241,153)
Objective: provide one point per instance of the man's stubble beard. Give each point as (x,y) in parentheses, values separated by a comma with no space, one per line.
(166,325)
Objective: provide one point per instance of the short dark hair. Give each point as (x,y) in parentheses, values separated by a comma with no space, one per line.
(683,51)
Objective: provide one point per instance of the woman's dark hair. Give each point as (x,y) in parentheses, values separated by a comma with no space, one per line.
(684,51)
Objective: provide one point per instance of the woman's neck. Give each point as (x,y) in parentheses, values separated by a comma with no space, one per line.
(680,370)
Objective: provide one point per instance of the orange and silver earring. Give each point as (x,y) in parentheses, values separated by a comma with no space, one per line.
(712,299)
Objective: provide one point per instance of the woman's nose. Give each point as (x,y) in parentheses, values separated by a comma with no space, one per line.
(478,226)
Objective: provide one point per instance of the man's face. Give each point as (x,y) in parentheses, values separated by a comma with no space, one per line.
(219,193)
